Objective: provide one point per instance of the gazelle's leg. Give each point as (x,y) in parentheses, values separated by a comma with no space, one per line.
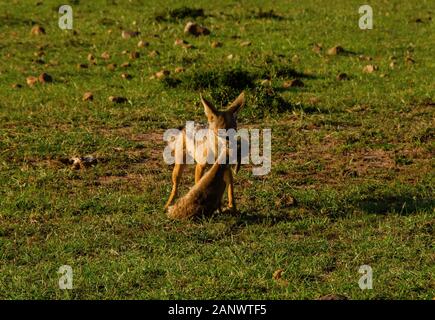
(176,177)
(230,183)
(199,170)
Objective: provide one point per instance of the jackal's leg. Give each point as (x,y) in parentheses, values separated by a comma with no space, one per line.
(176,177)
(230,183)
(199,170)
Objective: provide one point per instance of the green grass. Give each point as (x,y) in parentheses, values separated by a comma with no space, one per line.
(356,155)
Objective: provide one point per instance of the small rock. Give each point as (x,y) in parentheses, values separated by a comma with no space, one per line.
(313,100)
(161,74)
(362,57)
(195,29)
(293,83)
(285,201)
(129,34)
(370,68)
(45,77)
(126,76)
(88,160)
(105,55)
(409,60)
(54,63)
(88,96)
(153,54)
(39,61)
(335,50)
(230,56)
(317,48)
(37,30)
(39,53)
(179,42)
(82,162)
(245,44)
(392,64)
(142,44)
(277,274)
(342,76)
(111,66)
(134,55)
(266,82)
(182,43)
(216,44)
(116,99)
(16,85)
(125,65)
(31,81)
(295,59)
(76,163)
(179,69)
(90,57)
(125,51)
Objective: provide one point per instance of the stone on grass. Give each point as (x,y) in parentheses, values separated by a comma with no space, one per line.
(117,99)
(111,66)
(342,76)
(153,54)
(317,47)
(370,68)
(105,55)
(195,29)
(142,44)
(336,50)
(126,34)
(216,44)
(134,55)
(45,77)
(293,83)
(161,74)
(37,30)
(182,43)
(88,96)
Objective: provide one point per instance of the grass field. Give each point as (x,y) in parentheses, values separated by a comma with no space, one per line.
(352,160)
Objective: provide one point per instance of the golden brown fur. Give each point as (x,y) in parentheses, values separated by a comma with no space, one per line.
(204,197)
(226,119)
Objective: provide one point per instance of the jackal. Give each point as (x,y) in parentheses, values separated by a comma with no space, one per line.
(226,119)
(205,196)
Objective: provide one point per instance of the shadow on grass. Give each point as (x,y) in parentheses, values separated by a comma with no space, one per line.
(181,13)
(387,205)
(402,205)
(244,218)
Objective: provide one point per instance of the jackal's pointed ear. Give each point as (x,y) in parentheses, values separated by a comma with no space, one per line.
(209,109)
(235,106)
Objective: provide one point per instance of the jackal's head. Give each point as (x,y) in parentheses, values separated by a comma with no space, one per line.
(226,119)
